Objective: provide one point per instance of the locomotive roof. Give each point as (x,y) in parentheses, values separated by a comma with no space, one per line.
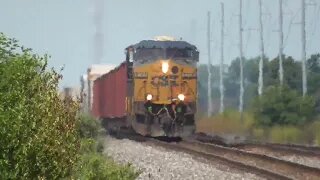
(164,44)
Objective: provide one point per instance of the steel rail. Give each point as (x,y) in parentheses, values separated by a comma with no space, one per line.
(199,151)
(284,149)
(281,167)
(287,149)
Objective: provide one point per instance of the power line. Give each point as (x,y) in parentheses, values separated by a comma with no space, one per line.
(290,25)
(316,16)
(270,24)
(247,39)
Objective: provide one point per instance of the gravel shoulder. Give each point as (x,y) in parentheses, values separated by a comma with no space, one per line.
(160,163)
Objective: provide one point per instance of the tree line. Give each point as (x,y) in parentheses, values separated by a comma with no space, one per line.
(278,105)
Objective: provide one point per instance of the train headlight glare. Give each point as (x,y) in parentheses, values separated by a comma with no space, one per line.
(181,97)
(165,67)
(149,97)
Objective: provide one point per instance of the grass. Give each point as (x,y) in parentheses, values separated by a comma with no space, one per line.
(315,127)
(229,122)
(286,134)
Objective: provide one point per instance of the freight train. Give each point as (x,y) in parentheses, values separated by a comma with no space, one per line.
(153,92)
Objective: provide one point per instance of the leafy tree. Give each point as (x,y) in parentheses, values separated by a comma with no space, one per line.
(42,135)
(282,106)
(251,74)
(313,65)
(39,138)
(250,70)
(292,73)
(292,79)
(313,76)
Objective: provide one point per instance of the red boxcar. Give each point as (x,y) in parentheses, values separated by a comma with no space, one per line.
(96,103)
(109,94)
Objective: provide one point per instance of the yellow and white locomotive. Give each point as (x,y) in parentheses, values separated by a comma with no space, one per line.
(161,83)
(164,85)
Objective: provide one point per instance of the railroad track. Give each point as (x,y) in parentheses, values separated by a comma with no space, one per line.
(311,150)
(259,164)
(266,148)
(264,166)
(282,149)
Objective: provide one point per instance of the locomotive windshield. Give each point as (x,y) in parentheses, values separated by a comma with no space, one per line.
(152,54)
(175,53)
(146,54)
(150,50)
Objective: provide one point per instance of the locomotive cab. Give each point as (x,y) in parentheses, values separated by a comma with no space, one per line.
(163,87)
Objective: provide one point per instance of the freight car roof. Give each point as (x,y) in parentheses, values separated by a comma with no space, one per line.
(164,44)
(112,70)
(97,70)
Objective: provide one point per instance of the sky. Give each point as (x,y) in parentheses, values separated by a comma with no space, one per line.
(65,29)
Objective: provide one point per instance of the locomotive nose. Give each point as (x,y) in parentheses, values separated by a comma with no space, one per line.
(166,82)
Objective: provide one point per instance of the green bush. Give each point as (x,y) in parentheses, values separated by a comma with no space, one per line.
(97,166)
(39,138)
(93,165)
(89,127)
(282,106)
(40,132)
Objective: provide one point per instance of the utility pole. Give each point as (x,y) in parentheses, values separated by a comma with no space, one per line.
(260,88)
(221,60)
(209,67)
(303,36)
(241,61)
(280,43)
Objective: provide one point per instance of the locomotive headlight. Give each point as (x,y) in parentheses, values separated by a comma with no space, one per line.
(149,97)
(181,97)
(165,67)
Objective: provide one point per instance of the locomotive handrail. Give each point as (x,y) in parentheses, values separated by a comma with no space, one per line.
(164,108)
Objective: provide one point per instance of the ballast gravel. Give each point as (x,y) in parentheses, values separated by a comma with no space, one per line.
(162,164)
(307,161)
